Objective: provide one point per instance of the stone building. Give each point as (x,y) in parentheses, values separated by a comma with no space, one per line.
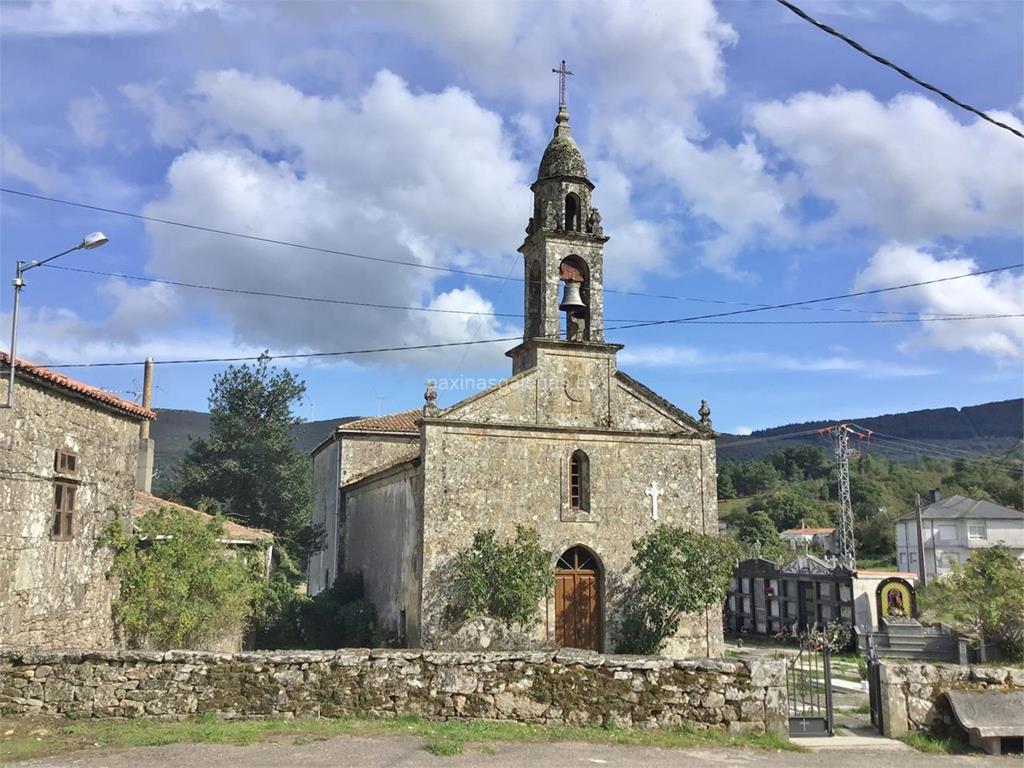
(73,458)
(68,458)
(568,444)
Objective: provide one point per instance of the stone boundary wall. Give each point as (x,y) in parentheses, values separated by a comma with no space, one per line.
(912,694)
(554,687)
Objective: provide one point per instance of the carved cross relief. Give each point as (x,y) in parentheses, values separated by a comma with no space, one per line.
(654,491)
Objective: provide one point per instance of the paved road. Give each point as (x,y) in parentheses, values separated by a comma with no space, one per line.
(407,752)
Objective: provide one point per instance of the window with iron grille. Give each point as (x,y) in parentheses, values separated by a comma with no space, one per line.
(579,481)
(63,510)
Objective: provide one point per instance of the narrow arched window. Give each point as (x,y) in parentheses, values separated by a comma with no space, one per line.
(572,213)
(579,481)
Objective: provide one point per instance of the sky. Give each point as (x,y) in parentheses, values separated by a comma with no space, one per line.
(740,156)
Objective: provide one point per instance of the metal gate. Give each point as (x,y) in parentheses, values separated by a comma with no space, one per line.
(874,686)
(809,689)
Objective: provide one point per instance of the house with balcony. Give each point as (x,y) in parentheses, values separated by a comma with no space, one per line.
(952,530)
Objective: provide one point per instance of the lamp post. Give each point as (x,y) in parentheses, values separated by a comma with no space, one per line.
(90,241)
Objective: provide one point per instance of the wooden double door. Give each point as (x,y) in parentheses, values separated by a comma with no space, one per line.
(578,600)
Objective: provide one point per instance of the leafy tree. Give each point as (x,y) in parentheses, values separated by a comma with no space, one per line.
(726,487)
(180,587)
(985,596)
(249,468)
(756,477)
(788,509)
(503,580)
(757,528)
(676,571)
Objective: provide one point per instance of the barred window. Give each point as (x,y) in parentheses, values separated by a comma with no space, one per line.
(579,481)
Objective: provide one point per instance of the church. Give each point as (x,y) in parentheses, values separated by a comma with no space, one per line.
(569,445)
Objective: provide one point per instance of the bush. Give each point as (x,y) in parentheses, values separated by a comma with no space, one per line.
(504,580)
(984,597)
(180,587)
(676,572)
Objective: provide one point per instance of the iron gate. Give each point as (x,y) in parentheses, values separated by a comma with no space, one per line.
(874,686)
(809,689)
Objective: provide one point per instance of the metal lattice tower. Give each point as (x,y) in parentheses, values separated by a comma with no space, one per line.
(847,549)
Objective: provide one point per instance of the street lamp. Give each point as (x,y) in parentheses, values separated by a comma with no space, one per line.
(90,241)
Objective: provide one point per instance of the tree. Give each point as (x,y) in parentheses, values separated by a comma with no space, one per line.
(249,468)
(788,509)
(757,528)
(676,571)
(503,580)
(756,477)
(726,487)
(179,586)
(985,597)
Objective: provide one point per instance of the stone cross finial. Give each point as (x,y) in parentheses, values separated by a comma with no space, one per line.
(561,72)
(705,414)
(430,399)
(654,491)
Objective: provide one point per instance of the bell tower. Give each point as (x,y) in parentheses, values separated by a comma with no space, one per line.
(563,253)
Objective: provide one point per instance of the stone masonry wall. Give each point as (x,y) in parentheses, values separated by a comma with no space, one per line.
(572,688)
(912,694)
(55,593)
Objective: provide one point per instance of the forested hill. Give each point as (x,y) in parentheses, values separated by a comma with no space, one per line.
(985,428)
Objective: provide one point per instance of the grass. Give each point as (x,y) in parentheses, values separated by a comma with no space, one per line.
(728,506)
(26,738)
(923,741)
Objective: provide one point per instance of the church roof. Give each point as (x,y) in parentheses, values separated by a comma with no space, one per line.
(404,421)
(562,157)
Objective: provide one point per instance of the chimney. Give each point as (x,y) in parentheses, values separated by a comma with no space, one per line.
(934,495)
(144,467)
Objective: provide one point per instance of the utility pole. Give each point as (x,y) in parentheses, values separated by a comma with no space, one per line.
(840,435)
(920,543)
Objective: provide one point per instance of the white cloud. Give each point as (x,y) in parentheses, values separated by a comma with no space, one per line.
(15,162)
(906,169)
(87,116)
(696,359)
(168,125)
(423,177)
(99,17)
(743,431)
(1001,293)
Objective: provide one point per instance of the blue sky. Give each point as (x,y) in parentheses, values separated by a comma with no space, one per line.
(739,155)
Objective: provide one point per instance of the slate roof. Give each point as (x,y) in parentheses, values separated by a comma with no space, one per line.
(963,508)
(233,531)
(40,374)
(407,422)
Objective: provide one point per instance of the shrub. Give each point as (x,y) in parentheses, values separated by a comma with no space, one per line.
(503,580)
(676,572)
(180,587)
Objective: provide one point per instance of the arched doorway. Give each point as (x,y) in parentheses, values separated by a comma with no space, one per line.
(578,600)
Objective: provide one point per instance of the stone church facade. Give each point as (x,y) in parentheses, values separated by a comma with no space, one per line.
(569,445)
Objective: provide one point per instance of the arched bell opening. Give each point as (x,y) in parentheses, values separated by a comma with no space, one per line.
(575,303)
(573,213)
(578,598)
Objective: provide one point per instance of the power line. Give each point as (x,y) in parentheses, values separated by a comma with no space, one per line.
(885,62)
(301,246)
(937,453)
(805,302)
(417,347)
(372,305)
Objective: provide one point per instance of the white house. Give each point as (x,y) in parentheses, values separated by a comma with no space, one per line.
(815,538)
(952,529)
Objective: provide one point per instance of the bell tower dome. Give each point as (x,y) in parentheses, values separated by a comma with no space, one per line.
(563,253)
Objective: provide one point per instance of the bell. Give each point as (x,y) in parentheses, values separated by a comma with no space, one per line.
(571,301)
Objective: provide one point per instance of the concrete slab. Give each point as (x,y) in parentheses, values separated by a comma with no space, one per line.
(988,716)
(849,741)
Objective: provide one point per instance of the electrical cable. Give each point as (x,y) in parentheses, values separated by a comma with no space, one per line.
(885,62)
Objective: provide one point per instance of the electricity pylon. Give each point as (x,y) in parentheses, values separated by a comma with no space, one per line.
(840,435)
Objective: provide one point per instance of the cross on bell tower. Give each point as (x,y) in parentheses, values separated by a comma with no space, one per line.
(561,72)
